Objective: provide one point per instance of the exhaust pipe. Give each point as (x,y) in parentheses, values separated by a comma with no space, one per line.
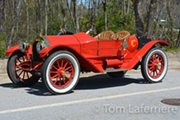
(112,63)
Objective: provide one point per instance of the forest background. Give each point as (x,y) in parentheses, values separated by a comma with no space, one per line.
(22,20)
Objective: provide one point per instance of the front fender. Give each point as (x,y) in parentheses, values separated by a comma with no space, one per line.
(15,48)
(45,51)
(12,50)
(142,52)
(75,51)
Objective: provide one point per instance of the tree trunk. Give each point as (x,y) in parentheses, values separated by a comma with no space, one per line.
(105,14)
(14,22)
(94,14)
(178,39)
(126,8)
(71,15)
(170,20)
(76,18)
(138,20)
(63,10)
(150,19)
(27,18)
(46,16)
(2,13)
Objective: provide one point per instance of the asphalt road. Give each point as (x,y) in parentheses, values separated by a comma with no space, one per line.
(96,97)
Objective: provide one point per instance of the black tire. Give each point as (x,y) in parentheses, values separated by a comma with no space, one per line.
(154,65)
(119,74)
(60,72)
(18,76)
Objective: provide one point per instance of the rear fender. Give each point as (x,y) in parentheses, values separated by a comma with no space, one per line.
(141,53)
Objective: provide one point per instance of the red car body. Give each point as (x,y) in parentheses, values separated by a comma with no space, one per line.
(91,53)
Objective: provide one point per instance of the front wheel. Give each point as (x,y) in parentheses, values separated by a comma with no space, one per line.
(60,72)
(18,69)
(154,65)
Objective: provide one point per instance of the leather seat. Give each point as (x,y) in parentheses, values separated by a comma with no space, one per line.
(121,35)
(105,35)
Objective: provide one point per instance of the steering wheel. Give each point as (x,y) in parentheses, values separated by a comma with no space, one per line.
(91,28)
(65,32)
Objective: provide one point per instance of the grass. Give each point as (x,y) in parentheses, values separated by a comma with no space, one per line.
(173,49)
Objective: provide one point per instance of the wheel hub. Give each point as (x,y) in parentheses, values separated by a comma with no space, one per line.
(61,72)
(155,64)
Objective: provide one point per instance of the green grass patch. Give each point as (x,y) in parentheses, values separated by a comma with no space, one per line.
(2,46)
(172,49)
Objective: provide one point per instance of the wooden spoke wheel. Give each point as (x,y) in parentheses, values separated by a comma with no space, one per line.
(18,69)
(154,65)
(60,72)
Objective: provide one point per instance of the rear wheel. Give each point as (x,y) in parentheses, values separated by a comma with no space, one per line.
(18,69)
(154,65)
(60,72)
(117,74)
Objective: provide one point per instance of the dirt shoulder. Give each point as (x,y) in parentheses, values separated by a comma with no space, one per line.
(3,63)
(173,60)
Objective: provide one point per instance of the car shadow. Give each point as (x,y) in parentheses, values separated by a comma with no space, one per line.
(37,89)
(104,81)
(99,81)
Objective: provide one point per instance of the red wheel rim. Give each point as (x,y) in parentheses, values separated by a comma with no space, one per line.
(61,73)
(155,65)
(22,69)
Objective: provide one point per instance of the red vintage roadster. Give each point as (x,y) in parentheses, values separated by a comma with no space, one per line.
(59,59)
